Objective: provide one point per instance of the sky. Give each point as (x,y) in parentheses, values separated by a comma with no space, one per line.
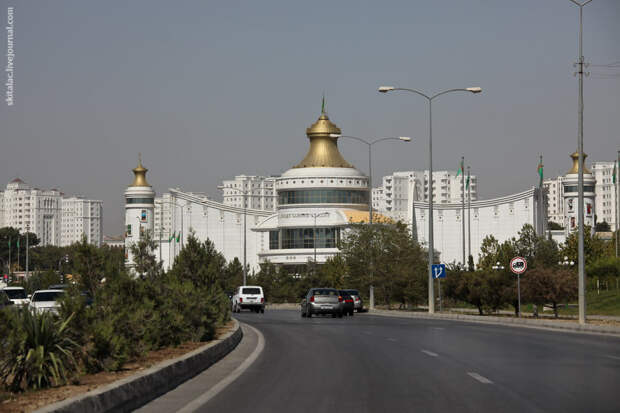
(207,90)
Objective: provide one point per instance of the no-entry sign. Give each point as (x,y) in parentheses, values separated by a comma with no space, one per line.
(518,265)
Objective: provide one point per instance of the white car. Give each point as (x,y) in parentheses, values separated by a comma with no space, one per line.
(17,295)
(46,300)
(250,297)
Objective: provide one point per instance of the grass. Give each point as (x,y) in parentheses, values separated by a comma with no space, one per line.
(605,303)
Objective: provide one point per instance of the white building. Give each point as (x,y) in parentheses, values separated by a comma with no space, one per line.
(165,209)
(571,209)
(33,210)
(554,190)
(395,194)
(259,192)
(605,195)
(81,217)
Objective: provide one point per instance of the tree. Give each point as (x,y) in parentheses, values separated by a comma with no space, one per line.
(232,276)
(554,226)
(602,227)
(199,262)
(88,264)
(594,247)
(146,264)
(334,272)
(547,285)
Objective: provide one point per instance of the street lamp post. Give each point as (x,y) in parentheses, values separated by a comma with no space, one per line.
(386,89)
(369,144)
(245,213)
(315,215)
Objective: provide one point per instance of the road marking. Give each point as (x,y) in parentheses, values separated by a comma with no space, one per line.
(480,378)
(613,357)
(430,353)
(213,391)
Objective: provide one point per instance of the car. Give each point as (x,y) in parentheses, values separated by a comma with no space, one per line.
(358,303)
(322,301)
(58,287)
(46,300)
(17,295)
(347,305)
(5,301)
(248,297)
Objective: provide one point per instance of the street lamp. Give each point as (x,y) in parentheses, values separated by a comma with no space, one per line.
(245,213)
(497,266)
(386,89)
(580,243)
(315,215)
(566,262)
(369,144)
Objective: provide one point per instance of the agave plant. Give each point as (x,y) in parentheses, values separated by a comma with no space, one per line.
(40,354)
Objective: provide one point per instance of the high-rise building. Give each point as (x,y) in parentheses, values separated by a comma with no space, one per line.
(395,193)
(554,190)
(32,210)
(81,217)
(605,196)
(259,192)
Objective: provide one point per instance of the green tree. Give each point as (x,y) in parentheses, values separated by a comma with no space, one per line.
(87,262)
(334,272)
(146,264)
(199,262)
(547,285)
(594,247)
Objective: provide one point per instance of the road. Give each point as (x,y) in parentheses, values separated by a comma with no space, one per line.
(377,364)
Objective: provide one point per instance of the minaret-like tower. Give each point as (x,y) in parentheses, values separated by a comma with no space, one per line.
(139,210)
(570,185)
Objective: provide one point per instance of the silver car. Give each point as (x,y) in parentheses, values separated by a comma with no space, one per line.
(46,301)
(322,301)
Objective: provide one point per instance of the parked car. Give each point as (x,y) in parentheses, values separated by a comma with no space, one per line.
(347,305)
(358,303)
(5,301)
(322,301)
(248,297)
(17,295)
(46,300)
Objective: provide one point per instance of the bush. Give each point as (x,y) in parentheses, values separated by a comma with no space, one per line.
(39,353)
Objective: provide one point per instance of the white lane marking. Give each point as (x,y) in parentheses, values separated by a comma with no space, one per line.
(438,328)
(391,339)
(430,353)
(613,357)
(480,378)
(213,391)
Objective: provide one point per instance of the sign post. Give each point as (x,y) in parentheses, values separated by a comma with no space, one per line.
(439,272)
(518,265)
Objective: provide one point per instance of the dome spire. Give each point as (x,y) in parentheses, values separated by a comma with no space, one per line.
(140,173)
(575,168)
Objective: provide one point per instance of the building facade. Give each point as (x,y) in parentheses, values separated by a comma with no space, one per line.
(258,192)
(81,217)
(605,193)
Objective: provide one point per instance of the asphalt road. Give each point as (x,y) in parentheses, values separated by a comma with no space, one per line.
(382,364)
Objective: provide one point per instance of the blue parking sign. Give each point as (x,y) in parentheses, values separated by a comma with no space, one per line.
(439,270)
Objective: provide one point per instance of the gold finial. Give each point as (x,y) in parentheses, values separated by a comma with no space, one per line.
(575,168)
(323,150)
(140,174)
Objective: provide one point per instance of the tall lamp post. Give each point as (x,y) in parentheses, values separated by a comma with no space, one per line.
(580,246)
(245,213)
(315,216)
(386,89)
(370,143)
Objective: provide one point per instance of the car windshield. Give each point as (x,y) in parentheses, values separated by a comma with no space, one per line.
(250,291)
(325,292)
(47,296)
(352,292)
(18,294)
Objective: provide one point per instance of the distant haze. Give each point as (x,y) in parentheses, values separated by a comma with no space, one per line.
(208,90)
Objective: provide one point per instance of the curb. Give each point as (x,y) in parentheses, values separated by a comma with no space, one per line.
(132,392)
(507,321)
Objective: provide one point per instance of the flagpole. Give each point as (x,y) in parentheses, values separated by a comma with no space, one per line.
(469,211)
(616,169)
(9,274)
(463,205)
(18,251)
(26,254)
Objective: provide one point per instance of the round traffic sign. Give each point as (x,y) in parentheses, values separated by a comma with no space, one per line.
(518,265)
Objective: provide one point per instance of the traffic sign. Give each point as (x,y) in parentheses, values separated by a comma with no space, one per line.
(439,271)
(518,265)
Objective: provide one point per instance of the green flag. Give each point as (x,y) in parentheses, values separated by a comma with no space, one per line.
(171,237)
(540,172)
(467,182)
(461,168)
(616,165)
(179,237)
(9,242)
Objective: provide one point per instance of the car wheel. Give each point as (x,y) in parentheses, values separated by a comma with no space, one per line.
(262,310)
(309,314)
(339,315)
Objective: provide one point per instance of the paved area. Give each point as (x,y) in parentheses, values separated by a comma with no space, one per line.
(370,364)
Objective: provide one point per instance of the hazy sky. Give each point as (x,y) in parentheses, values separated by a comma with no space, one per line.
(210,89)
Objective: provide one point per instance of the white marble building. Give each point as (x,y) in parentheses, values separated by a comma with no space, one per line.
(81,217)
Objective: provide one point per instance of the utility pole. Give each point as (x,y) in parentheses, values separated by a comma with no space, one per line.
(468,212)
(462,208)
(27,254)
(616,172)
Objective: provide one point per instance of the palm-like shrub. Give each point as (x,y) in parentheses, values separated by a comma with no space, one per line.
(40,352)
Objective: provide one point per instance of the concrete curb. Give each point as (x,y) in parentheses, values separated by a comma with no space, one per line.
(506,321)
(132,392)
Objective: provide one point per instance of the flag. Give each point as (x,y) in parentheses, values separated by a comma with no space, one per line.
(9,242)
(615,171)
(540,172)
(323,105)
(179,237)
(467,182)
(461,168)
(172,236)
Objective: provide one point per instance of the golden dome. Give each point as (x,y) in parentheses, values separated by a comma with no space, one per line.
(575,168)
(140,174)
(323,150)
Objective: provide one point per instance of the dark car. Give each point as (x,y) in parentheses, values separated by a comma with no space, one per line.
(348,307)
(322,301)
(358,303)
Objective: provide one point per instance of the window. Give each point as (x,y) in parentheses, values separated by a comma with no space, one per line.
(274,240)
(320,196)
(294,238)
(140,201)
